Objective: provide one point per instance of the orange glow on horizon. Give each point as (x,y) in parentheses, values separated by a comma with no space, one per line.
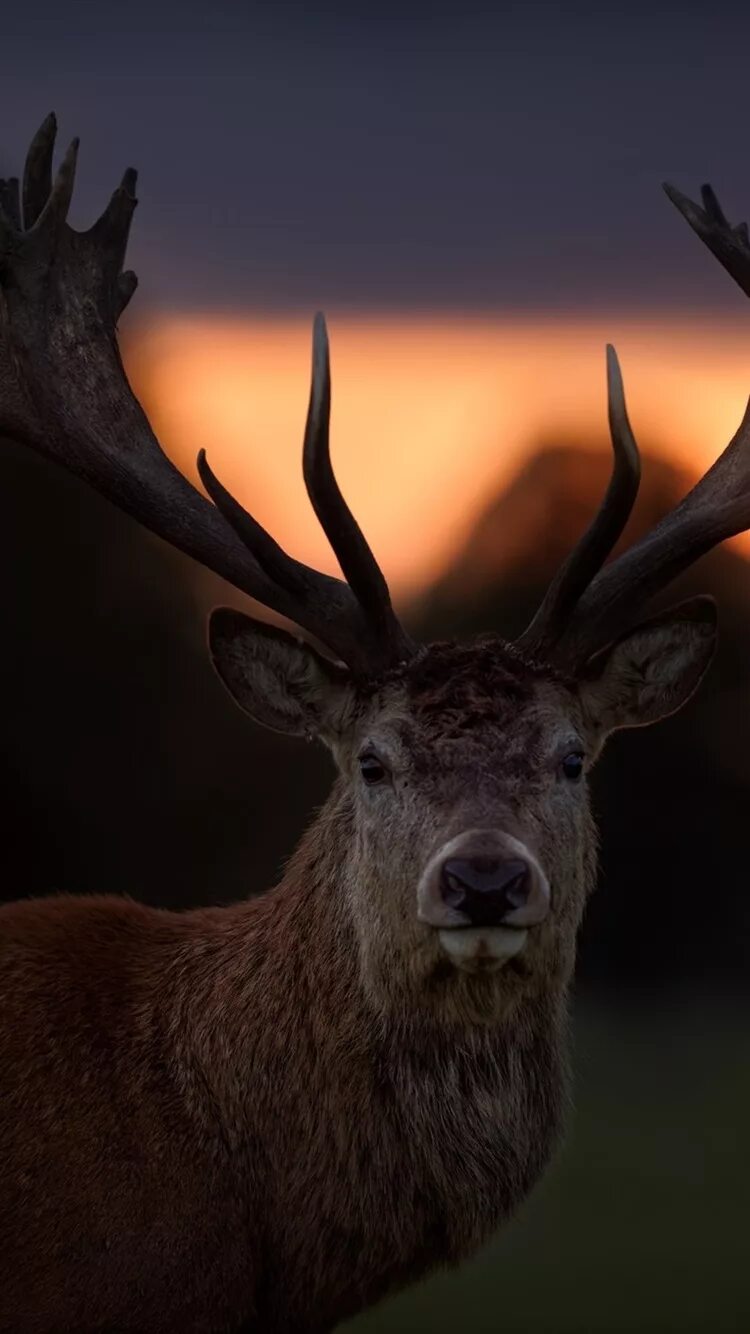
(430,415)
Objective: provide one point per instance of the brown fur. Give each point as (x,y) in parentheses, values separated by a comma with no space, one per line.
(266,1117)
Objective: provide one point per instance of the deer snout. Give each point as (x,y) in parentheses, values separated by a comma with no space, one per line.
(485,879)
(485,889)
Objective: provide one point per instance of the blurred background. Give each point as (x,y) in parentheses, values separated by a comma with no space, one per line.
(473,196)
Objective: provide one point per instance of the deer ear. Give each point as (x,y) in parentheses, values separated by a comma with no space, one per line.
(279,680)
(652,671)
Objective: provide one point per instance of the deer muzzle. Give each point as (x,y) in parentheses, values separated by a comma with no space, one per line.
(483,891)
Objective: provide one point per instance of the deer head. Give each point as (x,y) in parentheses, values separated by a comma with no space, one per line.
(462,841)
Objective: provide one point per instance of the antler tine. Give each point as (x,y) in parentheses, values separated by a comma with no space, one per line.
(63,390)
(37,175)
(281,568)
(323,605)
(589,555)
(359,566)
(112,227)
(312,591)
(55,210)
(729,244)
(718,507)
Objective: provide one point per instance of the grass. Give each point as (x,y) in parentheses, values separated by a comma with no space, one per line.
(643,1222)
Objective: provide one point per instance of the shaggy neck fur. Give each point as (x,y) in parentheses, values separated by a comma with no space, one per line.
(389,1146)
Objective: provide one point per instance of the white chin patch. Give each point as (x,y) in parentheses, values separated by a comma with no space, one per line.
(481,949)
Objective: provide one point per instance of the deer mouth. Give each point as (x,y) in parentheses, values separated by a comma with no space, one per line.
(482,949)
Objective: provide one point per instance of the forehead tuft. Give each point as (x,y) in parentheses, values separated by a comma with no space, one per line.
(460,686)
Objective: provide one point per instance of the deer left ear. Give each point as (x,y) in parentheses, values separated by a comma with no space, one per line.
(280,681)
(652,671)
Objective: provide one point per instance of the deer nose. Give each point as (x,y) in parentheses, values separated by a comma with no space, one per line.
(485,889)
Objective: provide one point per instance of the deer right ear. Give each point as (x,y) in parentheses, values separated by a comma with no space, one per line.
(278,680)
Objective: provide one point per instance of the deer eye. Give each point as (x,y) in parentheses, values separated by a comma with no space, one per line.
(572,766)
(372,769)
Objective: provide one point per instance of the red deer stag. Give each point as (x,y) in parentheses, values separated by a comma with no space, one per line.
(265,1117)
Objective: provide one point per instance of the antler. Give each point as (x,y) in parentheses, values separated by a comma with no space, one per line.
(553,617)
(64,391)
(730,245)
(581,613)
(717,507)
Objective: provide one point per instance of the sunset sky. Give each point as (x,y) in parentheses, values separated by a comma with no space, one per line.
(473,198)
(429,416)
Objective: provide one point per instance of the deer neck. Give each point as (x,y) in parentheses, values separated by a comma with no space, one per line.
(302,1084)
(280,983)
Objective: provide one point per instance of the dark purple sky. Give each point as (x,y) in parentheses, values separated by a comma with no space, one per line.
(294,156)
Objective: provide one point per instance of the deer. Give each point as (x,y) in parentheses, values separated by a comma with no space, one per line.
(270,1115)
